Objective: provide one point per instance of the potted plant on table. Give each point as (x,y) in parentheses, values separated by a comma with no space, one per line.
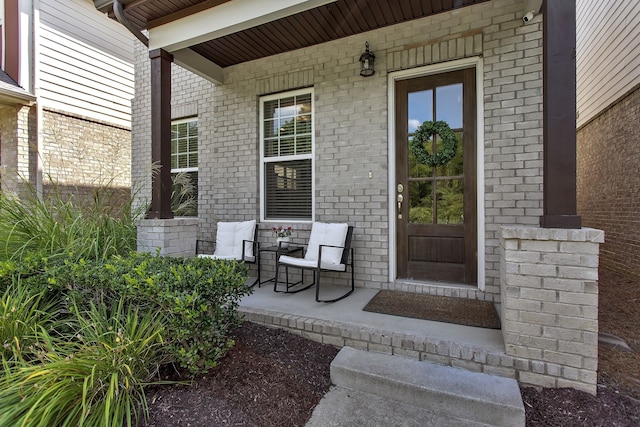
(283,235)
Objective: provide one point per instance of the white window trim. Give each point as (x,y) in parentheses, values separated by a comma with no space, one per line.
(311,156)
(187,120)
(178,170)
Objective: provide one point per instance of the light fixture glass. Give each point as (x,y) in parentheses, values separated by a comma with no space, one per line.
(366,62)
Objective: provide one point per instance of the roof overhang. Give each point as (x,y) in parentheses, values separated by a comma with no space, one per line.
(12,94)
(207,36)
(8,97)
(227,18)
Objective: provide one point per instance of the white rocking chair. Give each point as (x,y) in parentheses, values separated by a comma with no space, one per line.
(234,241)
(329,249)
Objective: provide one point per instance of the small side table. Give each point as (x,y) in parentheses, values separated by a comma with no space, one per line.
(277,251)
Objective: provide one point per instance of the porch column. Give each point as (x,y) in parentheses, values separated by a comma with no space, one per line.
(161,134)
(559,116)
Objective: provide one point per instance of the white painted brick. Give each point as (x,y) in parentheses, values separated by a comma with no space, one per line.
(562,358)
(580,247)
(585,350)
(541,270)
(520,351)
(553,369)
(583,324)
(500,371)
(569,285)
(518,280)
(537,379)
(523,256)
(578,298)
(539,246)
(519,328)
(566,259)
(539,294)
(563,309)
(585,273)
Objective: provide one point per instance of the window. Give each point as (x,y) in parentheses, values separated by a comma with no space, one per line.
(184,167)
(286,147)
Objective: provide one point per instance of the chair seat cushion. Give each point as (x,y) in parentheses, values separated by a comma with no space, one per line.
(326,234)
(307,263)
(229,238)
(230,258)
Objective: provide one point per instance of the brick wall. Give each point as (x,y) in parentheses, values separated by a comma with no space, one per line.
(18,140)
(513,130)
(352,126)
(608,182)
(81,155)
(78,156)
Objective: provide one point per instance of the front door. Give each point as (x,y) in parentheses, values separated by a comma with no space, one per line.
(436,177)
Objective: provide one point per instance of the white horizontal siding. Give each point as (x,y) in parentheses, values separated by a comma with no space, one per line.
(608,53)
(85,62)
(80,20)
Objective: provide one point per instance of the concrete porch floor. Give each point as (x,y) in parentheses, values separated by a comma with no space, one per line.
(343,323)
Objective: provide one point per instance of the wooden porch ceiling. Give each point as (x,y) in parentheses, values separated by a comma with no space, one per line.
(332,21)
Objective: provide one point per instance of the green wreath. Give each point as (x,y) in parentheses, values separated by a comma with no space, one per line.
(424,133)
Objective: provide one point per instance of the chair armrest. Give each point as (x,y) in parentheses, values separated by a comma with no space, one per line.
(256,248)
(320,247)
(200,242)
(254,243)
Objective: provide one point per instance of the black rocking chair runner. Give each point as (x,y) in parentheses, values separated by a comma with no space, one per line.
(329,250)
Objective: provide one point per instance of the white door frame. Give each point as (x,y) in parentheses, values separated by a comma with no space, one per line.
(391,89)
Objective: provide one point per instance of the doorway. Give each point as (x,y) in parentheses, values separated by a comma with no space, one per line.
(436,181)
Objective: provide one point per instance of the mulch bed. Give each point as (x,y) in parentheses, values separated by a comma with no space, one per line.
(481,314)
(269,378)
(273,378)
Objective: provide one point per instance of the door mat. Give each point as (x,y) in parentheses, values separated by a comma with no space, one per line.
(481,314)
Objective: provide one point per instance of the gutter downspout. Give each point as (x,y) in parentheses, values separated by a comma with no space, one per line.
(39,172)
(118,11)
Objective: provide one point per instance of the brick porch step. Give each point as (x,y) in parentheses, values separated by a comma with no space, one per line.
(345,324)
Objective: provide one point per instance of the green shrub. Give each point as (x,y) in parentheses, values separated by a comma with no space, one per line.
(198,297)
(97,379)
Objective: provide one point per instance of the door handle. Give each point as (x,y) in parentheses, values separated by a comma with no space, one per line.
(400,198)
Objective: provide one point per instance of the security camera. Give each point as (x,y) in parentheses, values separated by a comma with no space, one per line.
(528,17)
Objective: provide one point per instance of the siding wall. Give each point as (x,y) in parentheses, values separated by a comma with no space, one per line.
(352,127)
(86,62)
(608,53)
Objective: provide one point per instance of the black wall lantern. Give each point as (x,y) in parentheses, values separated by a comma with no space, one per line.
(366,62)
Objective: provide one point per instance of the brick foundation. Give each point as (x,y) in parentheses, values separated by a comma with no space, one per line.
(174,237)
(549,308)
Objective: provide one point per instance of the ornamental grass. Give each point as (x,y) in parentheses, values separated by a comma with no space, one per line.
(97,379)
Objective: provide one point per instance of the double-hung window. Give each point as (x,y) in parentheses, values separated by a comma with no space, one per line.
(286,147)
(184,167)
